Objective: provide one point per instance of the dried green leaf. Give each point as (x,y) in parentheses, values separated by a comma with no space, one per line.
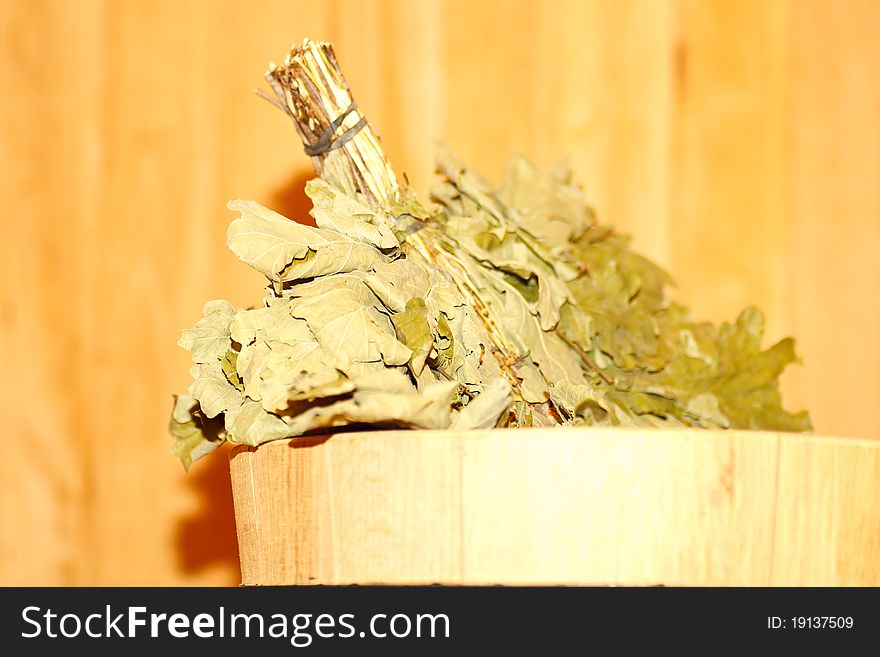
(212,389)
(283,250)
(343,316)
(251,424)
(483,411)
(414,330)
(209,338)
(350,216)
(194,434)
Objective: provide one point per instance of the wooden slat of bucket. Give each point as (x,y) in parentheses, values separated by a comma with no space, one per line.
(828,513)
(619,506)
(575,506)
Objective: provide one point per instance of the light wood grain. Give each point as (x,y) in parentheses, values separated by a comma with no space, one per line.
(366,478)
(827,513)
(617,506)
(562,506)
(738,141)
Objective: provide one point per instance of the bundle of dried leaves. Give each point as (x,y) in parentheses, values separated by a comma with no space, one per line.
(508,307)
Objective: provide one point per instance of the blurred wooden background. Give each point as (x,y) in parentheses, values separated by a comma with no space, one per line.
(738,141)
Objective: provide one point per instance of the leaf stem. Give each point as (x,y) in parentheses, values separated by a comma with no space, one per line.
(585,357)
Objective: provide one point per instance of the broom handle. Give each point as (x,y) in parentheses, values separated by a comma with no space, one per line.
(344,149)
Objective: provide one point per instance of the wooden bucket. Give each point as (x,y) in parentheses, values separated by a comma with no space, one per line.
(560,506)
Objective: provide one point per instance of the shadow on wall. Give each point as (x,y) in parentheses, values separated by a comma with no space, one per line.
(290,198)
(207,539)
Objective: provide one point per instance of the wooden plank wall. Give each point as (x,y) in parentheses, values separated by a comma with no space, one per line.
(739,141)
